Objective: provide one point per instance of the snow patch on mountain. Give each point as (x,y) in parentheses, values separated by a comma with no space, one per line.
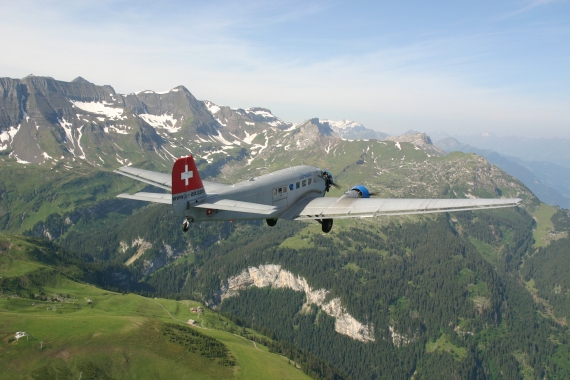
(100,108)
(342,124)
(213,108)
(276,277)
(7,136)
(164,121)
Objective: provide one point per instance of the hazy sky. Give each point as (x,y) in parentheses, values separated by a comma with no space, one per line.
(456,66)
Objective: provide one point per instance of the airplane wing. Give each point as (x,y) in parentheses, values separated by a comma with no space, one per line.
(214,204)
(162,180)
(321,208)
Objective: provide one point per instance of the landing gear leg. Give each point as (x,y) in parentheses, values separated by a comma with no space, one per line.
(271,222)
(186,224)
(326,225)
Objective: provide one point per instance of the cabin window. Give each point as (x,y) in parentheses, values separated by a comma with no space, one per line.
(291,187)
(274,191)
(298,184)
(284,189)
(310,179)
(304,182)
(280,190)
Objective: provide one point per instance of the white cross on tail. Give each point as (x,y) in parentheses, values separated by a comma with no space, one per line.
(186,175)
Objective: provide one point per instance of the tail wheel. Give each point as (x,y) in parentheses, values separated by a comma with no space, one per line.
(271,222)
(186,224)
(326,225)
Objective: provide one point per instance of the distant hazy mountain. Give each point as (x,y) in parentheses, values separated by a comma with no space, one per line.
(548,181)
(555,150)
(351,130)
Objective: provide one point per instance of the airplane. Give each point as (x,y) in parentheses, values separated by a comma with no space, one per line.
(296,193)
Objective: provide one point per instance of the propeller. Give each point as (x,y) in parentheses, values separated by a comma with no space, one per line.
(329,180)
(358,191)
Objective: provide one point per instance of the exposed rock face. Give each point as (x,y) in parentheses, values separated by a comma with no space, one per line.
(420,140)
(398,339)
(276,277)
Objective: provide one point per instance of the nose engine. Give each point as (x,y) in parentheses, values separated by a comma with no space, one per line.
(329,180)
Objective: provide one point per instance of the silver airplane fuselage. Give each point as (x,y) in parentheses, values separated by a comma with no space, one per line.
(284,189)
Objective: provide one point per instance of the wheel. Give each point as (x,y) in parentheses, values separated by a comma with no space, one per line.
(327,224)
(185,225)
(271,222)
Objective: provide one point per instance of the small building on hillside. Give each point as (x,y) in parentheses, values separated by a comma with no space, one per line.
(20,334)
(200,310)
(191,322)
(193,310)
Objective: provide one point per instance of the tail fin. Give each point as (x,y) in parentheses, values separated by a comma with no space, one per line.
(187,187)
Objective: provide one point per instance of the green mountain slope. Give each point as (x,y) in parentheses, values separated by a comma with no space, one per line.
(74,328)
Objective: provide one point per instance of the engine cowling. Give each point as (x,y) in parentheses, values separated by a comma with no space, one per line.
(358,191)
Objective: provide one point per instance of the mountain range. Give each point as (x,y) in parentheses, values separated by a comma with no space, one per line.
(548,181)
(468,295)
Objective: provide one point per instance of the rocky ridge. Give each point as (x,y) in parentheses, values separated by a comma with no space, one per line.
(274,276)
(351,130)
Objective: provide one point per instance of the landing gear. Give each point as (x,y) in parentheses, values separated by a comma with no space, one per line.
(271,222)
(326,225)
(186,223)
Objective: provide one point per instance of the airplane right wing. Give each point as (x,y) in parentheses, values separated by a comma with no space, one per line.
(328,208)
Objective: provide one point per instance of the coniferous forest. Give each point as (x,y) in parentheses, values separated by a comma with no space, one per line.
(455,286)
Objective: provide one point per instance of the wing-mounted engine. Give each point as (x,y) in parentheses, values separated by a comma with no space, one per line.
(358,191)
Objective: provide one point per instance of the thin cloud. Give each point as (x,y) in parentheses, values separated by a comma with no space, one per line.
(530,5)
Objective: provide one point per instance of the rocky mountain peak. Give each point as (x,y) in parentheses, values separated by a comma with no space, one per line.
(352,130)
(315,125)
(420,140)
(81,80)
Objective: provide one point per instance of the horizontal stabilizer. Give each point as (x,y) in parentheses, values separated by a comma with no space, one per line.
(157,179)
(215,204)
(370,207)
(149,197)
(238,206)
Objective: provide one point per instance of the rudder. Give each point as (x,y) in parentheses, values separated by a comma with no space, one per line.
(187,187)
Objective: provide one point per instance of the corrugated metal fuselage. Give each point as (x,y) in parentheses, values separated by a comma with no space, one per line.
(283,189)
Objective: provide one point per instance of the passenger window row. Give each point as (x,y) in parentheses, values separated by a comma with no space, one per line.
(281,190)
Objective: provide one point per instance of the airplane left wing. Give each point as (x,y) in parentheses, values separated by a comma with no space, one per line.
(328,208)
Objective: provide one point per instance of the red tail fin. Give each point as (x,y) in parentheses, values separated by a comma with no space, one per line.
(187,187)
(185,176)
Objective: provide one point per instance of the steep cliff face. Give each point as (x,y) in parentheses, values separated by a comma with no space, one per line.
(276,277)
